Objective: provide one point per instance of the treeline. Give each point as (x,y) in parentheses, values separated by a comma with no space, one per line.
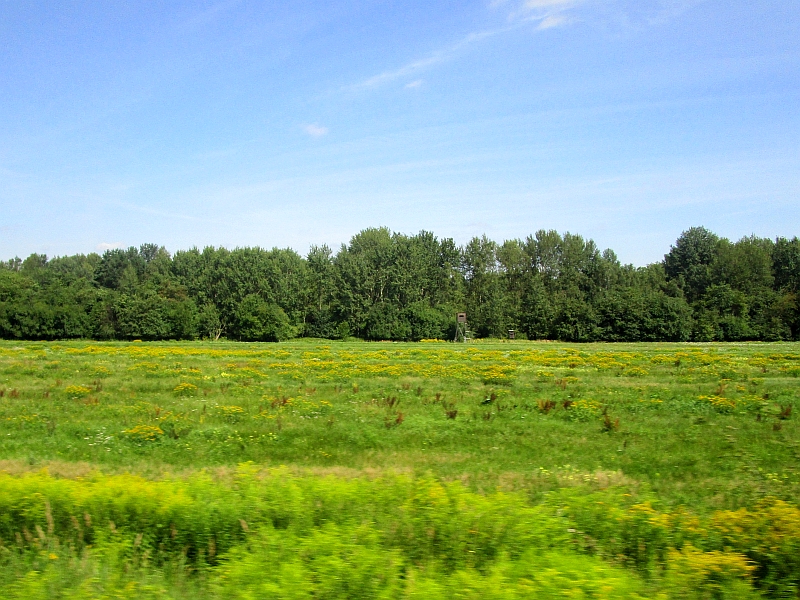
(390,286)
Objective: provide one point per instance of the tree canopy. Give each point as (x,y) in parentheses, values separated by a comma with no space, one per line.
(387,285)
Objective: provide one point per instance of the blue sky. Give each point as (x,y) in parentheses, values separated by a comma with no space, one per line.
(289,124)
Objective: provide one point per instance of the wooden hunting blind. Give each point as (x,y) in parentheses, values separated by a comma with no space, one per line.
(462,333)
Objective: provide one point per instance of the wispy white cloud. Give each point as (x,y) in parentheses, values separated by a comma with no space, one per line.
(408,69)
(103,246)
(547,4)
(548,13)
(552,13)
(435,58)
(544,11)
(315,130)
(531,4)
(553,21)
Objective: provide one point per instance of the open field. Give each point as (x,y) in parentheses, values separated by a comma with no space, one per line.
(342,470)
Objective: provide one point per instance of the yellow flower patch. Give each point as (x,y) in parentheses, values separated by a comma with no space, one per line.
(77,391)
(185,389)
(144,433)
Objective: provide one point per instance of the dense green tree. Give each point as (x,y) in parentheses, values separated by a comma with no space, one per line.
(379,276)
(429,322)
(320,320)
(483,286)
(786,264)
(689,261)
(78,269)
(204,276)
(643,315)
(785,317)
(386,322)
(723,314)
(746,266)
(34,305)
(223,279)
(17,296)
(786,271)
(515,268)
(209,322)
(576,321)
(119,266)
(364,272)
(142,316)
(538,311)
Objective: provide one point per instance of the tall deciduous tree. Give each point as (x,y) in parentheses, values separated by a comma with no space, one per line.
(689,261)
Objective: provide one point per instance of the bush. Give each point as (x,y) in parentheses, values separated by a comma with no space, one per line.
(428,322)
(385,322)
(259,321)
(320,323)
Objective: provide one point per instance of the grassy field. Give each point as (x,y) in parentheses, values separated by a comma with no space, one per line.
(317,469)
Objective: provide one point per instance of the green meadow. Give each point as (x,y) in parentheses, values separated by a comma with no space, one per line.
(325,469)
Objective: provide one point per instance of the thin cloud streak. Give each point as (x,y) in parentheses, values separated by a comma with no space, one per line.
(548,3)
(552,13)
(543,10)
(547,12)
(434,58)
(553,21)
